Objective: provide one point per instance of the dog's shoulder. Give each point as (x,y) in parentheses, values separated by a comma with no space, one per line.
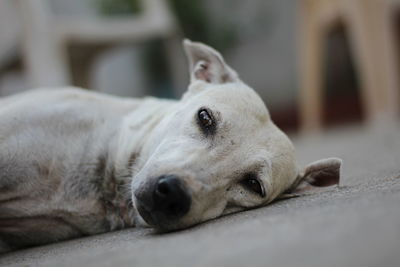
(61,139)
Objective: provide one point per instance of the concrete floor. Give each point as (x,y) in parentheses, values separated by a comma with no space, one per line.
(357,224)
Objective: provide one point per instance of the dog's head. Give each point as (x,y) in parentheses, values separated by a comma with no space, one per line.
(217,151)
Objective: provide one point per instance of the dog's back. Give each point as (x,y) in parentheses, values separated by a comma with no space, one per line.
(57,177)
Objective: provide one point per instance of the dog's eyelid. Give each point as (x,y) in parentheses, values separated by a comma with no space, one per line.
(263,194)
(252,182)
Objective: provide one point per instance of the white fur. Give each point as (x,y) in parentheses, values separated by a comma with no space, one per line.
(61,128)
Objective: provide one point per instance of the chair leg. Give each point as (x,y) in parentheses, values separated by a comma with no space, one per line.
(362,28)
(389,48)
(311,74)
(43,52)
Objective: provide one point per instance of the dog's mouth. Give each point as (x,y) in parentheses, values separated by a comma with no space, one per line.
(157,219)
(145,214)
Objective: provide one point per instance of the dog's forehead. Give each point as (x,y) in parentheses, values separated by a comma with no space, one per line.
(249,123)
(235,99)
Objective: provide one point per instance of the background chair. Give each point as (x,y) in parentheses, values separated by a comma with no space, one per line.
(46,36)
(371,27)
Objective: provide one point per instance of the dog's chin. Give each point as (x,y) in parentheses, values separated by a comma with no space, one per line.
(146,215)
(160,224)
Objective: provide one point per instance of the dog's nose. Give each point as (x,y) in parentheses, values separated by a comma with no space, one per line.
(171,197)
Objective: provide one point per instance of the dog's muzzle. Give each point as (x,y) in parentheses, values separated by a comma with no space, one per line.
(163,202)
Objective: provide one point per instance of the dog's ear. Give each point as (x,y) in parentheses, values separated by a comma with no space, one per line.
(321,173)
(207,64)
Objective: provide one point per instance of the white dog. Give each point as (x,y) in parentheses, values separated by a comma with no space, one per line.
(75,163)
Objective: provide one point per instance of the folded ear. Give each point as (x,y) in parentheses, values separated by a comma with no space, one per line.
(321,173)
(207,64)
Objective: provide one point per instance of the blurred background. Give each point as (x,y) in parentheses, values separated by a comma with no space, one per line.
(316,63)
(321,66)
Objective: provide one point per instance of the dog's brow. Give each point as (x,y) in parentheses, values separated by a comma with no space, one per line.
(254,168)
(259,166)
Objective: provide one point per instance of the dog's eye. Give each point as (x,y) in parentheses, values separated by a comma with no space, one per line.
(205,120)
(251,183)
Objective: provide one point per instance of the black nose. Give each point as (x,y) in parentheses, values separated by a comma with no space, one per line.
(171,197)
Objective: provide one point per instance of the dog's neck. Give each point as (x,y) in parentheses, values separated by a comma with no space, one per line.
(129,151)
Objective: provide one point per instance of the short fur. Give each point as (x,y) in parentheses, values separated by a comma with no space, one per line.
(73,162)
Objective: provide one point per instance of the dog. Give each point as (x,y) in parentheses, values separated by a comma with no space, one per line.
(76,163)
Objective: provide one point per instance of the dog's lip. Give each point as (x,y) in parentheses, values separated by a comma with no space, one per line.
(145,212)
(148,216)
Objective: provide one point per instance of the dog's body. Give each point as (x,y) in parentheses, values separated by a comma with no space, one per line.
(76,163)
(65,162)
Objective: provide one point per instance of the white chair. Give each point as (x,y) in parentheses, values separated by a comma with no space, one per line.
(45,38)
